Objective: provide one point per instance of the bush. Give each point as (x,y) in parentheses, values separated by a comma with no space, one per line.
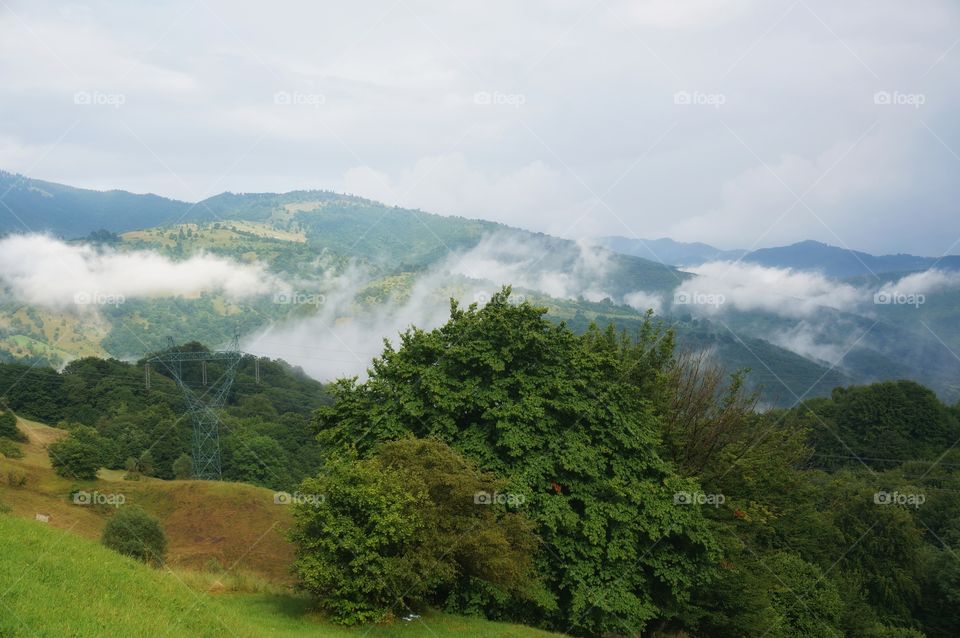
(133,532)
(132,468)
(8,427)
(75,459)
(146,463)
(16,479)
(10,450)
(183,468)
(403,530)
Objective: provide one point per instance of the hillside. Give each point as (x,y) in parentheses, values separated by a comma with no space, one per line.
(375,269)
(207,522)
(55,583)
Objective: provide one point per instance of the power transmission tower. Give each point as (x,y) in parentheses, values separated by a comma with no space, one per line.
(204,405)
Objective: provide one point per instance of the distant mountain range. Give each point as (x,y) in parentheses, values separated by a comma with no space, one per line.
(670,252)
(832,261)
(315,238)
(32,205)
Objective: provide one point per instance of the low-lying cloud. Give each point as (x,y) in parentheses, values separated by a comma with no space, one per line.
(347,331)
(504,258)
(48,272)
(924,283)
(724,285)
(352,310)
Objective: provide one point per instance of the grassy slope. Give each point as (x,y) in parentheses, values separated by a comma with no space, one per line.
(53,583)
(230,524)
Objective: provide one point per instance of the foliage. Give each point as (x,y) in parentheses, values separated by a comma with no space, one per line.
(133,532)
(403,529)
(254,458)
(75,458)
(110,396)
(183,467)
(146,464)
(548,411)
(8,427)
(10,449)
(881,425)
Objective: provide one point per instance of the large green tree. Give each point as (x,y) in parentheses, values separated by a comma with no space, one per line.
(549,411)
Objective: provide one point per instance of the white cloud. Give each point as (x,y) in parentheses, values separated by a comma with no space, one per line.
(781,291)
(926,282)
(528,263)
(41,270)
(346,333)
(807,339)
(643,301)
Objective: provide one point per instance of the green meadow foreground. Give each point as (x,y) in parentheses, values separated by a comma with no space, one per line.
(53,583)
(228,564)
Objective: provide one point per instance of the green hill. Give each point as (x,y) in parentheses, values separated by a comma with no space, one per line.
(53,583)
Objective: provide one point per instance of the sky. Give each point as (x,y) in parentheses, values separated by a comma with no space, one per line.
(741,123)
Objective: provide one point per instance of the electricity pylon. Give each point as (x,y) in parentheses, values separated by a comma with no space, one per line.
(203,406)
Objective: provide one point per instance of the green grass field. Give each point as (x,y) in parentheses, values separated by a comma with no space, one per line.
(53,583)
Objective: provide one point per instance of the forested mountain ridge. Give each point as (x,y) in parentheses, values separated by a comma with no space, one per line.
(365,261)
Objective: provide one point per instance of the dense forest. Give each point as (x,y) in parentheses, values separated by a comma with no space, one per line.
(265,435)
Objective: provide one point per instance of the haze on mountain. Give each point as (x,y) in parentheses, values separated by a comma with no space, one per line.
(369,271)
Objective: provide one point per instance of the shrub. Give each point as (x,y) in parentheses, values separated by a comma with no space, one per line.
(8,427)
(403,530)
(16,479)
(133,532)
(10,450)
(72,458)
(132,468)
(183,467)
(146,463)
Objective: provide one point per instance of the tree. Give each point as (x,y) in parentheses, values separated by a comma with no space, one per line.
(133,532)
(548,411)
(880,424)
(146,463)
(256,459)
(404,529)
(183,467)
(132,466)
(74,458)
(8,427)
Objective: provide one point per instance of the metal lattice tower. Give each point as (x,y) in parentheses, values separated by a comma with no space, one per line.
(203,405)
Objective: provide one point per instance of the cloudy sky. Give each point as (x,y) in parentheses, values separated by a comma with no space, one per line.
(737,122)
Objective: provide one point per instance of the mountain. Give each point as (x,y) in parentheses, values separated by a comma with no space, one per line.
(374,270)
(670,252)
(832,261)
(31,205)
(842,262)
